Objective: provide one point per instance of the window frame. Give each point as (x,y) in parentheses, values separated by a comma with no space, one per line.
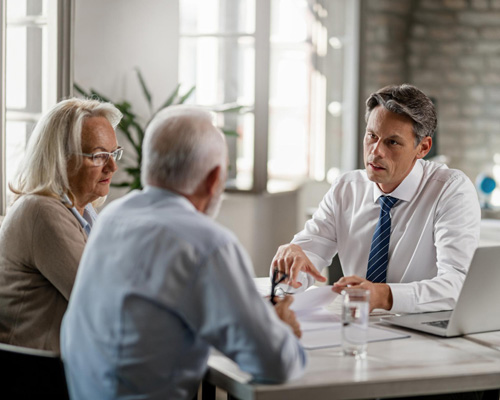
(64,21)
(318,130)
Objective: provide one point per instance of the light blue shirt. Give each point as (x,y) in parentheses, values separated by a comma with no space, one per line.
(89,214)
(159,284)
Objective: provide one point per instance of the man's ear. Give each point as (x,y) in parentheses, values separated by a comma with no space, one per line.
(425,147)
(212,181)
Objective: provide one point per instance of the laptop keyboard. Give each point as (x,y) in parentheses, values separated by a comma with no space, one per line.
(439,324)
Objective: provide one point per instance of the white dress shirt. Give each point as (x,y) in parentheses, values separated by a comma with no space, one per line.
(159,284)
(434,232)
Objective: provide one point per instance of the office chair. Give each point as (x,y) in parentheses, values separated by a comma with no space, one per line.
(30,373)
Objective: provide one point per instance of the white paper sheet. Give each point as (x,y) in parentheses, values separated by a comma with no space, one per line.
(313,298)
(319,318)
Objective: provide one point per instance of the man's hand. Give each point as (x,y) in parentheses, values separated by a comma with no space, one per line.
(291,259)
(282,308)
(380,293)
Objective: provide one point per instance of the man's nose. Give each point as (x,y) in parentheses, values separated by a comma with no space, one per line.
(377,149)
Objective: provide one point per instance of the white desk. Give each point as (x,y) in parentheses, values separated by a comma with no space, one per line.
(421,364)
(409,367)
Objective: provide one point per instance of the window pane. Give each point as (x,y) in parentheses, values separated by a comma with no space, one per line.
(16,79)
(290,90)
(31,67)
(288,143)
(289,21)
(217,16)
(24,8)
(221,69)
(241,154)
(16,134)
(289,76)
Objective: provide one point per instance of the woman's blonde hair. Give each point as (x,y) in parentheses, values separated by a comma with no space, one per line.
(56,138)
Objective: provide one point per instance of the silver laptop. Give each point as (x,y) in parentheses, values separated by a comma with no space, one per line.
(478,305)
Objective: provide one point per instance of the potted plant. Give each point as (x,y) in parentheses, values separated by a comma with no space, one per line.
(133,131)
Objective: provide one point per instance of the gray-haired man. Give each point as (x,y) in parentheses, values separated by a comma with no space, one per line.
(404,228)
(160,282)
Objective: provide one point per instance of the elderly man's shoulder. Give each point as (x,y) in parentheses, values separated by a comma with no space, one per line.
(172,217)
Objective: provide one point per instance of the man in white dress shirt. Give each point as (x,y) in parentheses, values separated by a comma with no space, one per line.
(160,282)
(434,219)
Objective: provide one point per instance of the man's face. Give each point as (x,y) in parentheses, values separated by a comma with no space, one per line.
(389,148)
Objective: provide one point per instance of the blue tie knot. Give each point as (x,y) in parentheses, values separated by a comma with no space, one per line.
(387,202)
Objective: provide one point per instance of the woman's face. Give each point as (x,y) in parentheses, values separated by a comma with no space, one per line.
(90,181)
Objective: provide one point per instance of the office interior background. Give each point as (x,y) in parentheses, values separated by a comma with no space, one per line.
(300,69)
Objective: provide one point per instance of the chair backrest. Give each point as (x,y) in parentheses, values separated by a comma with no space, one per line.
(31,373)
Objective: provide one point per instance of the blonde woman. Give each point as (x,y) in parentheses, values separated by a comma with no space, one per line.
(70,159)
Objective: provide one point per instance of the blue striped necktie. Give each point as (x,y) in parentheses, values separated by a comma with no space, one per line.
(379,251)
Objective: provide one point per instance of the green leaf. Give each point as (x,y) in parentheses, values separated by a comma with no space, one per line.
(80,90)
(128,135)
(187,95)
(145,90)
(228,108)
(133,170)
(121,184)
(229,132)
(171,98)
(95,93)
(136,184)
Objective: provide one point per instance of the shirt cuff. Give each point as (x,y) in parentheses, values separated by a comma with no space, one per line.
(403,298)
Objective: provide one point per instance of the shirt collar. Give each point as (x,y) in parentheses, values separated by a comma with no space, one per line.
(158,193)
(406,189)
(89,214)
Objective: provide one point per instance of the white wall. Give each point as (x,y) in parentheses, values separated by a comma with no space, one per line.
(261,223)
(264,222)
(113,37)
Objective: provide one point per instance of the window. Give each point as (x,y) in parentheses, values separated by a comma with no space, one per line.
(36,69)
(225,52)
(274,58)
(217,55)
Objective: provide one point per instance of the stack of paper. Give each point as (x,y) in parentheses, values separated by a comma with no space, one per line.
(321,326)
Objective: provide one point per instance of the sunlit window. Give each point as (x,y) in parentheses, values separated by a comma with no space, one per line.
(217,55)
(290,90)
(223,54)
(30,81)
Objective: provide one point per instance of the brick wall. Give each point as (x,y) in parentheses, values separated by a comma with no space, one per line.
(451,50)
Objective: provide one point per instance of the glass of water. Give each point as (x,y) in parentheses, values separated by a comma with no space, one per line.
(355,315)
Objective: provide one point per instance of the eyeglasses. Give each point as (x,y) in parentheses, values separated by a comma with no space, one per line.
(102,157)
(276,279)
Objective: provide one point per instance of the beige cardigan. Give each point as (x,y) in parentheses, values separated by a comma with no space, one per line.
(41,243)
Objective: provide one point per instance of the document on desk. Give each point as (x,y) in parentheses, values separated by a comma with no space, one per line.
(321,325)
(313,298)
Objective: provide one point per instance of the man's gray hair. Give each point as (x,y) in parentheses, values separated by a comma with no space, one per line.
(181,146)
(57,137)
(406,100)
